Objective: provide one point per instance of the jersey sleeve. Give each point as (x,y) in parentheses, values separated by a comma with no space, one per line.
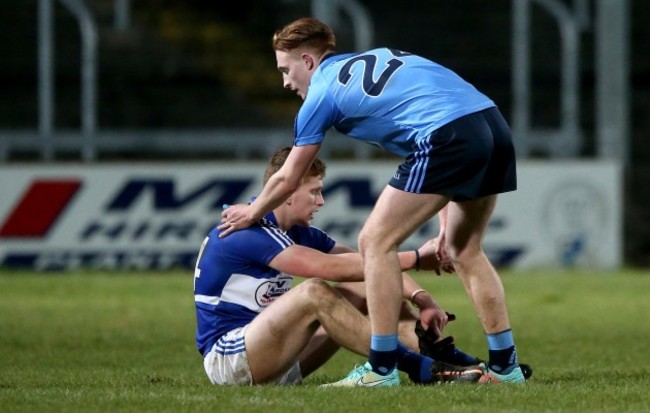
(317,114)
(271,243)
(312,237)
(259,244)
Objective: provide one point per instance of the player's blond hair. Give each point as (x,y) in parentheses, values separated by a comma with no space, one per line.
(306,32)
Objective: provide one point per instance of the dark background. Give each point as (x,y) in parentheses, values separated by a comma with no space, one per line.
(192,64)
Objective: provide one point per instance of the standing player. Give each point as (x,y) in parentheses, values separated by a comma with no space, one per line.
(252,328)
(458,156)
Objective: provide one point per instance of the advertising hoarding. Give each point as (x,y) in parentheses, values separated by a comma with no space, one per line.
(155,216)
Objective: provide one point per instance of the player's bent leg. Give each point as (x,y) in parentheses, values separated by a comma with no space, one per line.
(277,337)
(408,360)
(317,352)
(466,225)
(411,333)
(355,293)
(321,347)
(396,215)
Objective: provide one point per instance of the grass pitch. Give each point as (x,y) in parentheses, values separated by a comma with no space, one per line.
(86,342)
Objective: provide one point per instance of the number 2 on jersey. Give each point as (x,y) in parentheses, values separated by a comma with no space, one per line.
(370,86)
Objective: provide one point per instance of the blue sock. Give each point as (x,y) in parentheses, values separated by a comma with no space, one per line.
(458,357)
(417,366)
(463,359)
(383,353)
(503,354)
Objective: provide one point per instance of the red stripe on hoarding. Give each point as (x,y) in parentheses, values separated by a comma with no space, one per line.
(39,208)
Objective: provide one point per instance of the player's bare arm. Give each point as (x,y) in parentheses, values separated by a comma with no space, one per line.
(309,263)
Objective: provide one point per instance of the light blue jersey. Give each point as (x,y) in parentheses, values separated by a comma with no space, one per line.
(232,280)
(384,97)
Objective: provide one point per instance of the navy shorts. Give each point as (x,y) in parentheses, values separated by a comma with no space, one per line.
(470,157)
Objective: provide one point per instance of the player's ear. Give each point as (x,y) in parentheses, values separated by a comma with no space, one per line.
(309,60)
(289,200)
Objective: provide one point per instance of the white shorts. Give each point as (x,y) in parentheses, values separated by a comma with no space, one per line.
(227,363)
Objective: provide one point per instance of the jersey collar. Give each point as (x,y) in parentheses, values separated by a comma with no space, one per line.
(334,57)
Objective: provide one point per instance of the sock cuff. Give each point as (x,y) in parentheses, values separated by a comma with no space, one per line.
(501,341)
(383,342)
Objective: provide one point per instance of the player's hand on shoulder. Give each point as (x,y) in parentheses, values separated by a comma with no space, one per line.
(233,218)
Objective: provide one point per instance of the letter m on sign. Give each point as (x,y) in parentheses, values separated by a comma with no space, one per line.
(165,197)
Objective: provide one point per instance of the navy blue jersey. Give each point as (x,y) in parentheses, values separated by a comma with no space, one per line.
(232,280)
(385,97)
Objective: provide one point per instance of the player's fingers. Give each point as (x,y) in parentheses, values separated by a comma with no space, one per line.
(228,225)
(436,330)
(226,231)
(227,213)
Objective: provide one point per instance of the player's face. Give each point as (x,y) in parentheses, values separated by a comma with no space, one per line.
(296,69)
(306,201)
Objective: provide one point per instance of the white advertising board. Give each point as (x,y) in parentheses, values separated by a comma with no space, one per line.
(155,216)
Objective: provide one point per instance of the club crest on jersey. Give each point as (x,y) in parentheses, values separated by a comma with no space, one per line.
(269,291)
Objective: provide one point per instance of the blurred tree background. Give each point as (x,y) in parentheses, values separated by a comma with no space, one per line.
(194,64)
(191,63)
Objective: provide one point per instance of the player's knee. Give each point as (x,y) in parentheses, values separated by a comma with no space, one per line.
(369,240)
(463,255)
(354,292)
(316,289)
(321,296)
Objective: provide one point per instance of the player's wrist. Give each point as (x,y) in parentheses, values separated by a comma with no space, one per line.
(416,297)
(252,216)
(416,264)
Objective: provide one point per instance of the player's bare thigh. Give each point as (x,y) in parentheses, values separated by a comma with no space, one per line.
(355,293)
(467,222)
(397,214)
(275,338)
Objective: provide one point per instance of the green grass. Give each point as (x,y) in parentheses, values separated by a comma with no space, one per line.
(125,342)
